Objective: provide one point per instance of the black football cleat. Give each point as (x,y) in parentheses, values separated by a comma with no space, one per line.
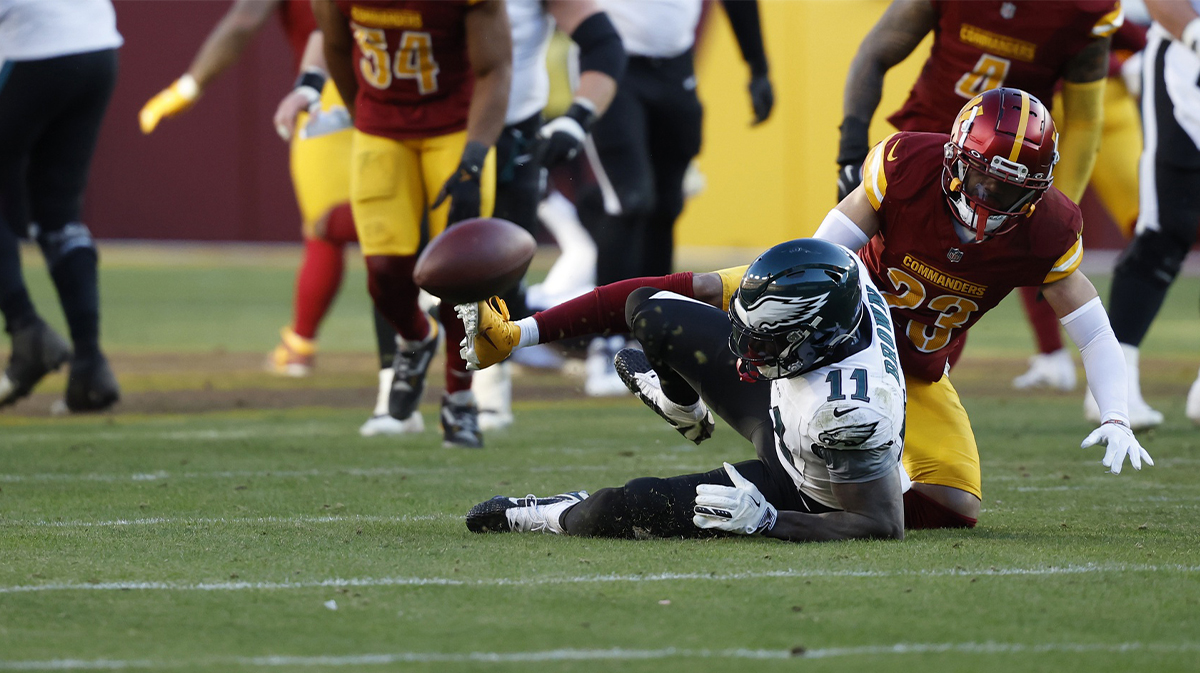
(636,373)
(91,385)
(460,421)
(37,350)
(530,514)
(408,374)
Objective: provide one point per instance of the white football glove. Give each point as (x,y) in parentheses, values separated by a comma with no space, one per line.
(1119,442)
(738,509)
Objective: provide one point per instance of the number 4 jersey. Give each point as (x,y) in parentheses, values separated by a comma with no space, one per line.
(844,423)
(410,59)
(937,285)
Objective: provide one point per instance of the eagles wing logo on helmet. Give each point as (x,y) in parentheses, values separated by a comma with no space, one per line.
(773,312)
(849,436)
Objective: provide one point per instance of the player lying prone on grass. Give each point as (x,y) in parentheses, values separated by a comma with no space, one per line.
(828,428)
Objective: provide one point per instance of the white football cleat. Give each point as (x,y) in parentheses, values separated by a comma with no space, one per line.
(694,422)
(602,379)
(381,423)
(1192,407)
(493,394)
(1048,370)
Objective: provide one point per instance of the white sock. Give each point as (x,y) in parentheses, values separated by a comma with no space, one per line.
(529,332)
(385,388)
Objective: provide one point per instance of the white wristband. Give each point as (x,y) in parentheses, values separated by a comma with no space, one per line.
(187,87)
(1191,36)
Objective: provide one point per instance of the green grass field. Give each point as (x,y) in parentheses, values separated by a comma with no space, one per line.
(222,540)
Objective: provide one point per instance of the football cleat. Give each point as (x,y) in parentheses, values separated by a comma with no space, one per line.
(1141,415)
(491,334)
(602,379)
(37,350)
(91,385)
(530,514)
(460,421)
(409,367)
(1048,370)
(695,423)
(1192,406)
(493,393)
(383,425)
(294,356)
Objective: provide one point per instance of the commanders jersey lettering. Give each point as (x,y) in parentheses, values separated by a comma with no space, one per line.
(998,44)
(385,18)
(943,280)
(952,311)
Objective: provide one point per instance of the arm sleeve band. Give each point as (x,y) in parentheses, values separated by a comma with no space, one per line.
(743,18)
(840,229)
(1083,119)
(600,46)
(1103,361)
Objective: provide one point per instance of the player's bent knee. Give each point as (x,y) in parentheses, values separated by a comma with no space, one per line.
(634,302)
(1152,256)
(927,506)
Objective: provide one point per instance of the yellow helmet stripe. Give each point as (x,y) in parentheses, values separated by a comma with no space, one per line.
(1020,140)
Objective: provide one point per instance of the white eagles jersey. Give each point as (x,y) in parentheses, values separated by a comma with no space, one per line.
(844,423)
(654,28)
(531,27)
(32,30)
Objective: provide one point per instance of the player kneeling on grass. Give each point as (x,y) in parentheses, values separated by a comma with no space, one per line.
(828,430)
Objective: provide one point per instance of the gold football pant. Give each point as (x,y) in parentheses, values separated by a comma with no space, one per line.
(320,166)
(392,182)
(939,445)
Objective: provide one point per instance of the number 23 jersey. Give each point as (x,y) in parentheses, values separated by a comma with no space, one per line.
(844,423)
(937,285)
(410,59)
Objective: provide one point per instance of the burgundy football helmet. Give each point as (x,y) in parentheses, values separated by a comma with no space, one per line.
(999,161)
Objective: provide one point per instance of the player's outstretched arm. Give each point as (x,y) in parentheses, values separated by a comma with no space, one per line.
(901,28)
(1078,307)
(220,50)
(305,95)
(872,509)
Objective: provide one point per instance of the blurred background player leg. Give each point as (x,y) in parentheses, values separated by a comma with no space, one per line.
(50,115)
(1169,199)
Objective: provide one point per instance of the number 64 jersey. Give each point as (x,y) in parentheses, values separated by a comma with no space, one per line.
(844,423)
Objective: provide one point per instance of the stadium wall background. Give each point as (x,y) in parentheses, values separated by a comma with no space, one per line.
(219,172)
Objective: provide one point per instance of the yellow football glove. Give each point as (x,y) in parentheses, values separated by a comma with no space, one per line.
(169,102)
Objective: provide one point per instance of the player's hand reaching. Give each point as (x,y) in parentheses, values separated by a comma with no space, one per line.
(849,178)
(169,102)
(300,99)
(463,186)
(762,98)
(740,508)
(1118,440)
(559,139)
(853,148)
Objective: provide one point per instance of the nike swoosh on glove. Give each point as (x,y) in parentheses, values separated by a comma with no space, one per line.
(738,509)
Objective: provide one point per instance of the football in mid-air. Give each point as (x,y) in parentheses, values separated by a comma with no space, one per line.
(475,259)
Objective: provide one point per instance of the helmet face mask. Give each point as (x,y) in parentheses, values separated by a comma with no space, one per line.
(999,161)
(796,303)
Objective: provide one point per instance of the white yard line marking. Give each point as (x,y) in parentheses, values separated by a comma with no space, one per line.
(613,654)
(339,582)
(237,521)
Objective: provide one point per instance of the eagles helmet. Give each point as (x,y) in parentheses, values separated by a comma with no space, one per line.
(795,304)
(999,161)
